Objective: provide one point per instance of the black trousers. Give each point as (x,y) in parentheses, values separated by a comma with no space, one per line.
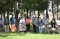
(1,27)
(34,28)
(53,26)
(28,27)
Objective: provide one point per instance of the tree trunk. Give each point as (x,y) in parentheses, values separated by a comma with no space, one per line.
(57,9)
(57,15)
(8,15)
(30,13)
(47,15)
(16,16)
(27,11)
(52,8)
(34,12)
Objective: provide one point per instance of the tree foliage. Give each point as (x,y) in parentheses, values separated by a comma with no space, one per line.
(28,4)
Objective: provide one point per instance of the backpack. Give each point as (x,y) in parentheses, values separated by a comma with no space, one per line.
(27,20)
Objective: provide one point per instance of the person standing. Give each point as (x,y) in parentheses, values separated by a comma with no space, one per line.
(58,25)
(13,24)
(22,27)
(53,25)
(27,21)
(40,24)
(6,23)
(34,23)
(1,25)
(45,22)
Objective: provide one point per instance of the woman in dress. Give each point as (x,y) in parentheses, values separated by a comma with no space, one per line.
(22,27)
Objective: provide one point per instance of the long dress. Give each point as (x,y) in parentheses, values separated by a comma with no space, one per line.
(13,25)
(22,25)
(13,28)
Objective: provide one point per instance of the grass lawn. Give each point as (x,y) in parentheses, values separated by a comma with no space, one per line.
(28,36)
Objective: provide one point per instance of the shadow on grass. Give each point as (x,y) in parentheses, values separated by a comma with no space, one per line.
(12,34)
(21,33)
(44,33)
(4,34)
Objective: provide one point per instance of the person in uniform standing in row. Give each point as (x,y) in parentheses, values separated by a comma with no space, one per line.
(34,24)
(6,23)
(40,24)
(1,25)
(13,24)
(22,26)
(27,21)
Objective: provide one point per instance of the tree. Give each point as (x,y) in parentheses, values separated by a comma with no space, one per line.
(57,2)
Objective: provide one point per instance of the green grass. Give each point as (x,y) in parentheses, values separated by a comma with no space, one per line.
(28,36)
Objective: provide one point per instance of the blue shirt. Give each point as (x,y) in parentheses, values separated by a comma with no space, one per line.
(13,20)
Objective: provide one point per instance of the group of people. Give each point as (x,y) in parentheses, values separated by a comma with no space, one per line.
(24,24)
